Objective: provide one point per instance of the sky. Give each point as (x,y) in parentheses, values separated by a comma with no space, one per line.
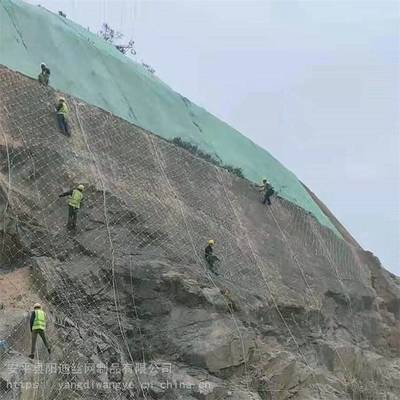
(316,83)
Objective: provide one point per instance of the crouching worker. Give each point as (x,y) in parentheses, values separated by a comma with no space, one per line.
(62,116)
(38,327)
(268,191)
(74,204)
(211,259)
(44,75)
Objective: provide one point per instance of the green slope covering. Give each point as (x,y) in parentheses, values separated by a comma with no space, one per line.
(87,67)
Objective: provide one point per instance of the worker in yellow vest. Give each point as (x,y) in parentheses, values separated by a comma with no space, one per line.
(211,259)
(62,116)
(38,327)
(267,190)
(74,204)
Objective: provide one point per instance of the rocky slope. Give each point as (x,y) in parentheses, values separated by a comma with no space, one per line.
(297,312)
(93,70)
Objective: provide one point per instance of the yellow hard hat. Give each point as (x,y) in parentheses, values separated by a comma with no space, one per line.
(37,305)
(81,187)
(211,241)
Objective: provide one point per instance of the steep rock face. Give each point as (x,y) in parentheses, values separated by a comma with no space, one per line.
(295,313)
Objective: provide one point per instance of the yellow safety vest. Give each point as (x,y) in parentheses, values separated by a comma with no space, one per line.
(76,198)
(63,109)
(40,321)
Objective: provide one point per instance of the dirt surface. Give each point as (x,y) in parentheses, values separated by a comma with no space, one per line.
(16,290)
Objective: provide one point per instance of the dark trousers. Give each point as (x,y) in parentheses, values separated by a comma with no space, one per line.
(211,260)
(35,334)
(63,124)
(72,216)
(267,197)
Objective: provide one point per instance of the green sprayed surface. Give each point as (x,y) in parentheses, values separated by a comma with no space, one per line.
(87,67)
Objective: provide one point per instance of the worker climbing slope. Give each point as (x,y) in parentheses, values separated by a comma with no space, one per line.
(44,75)
(74,204)
(62,116)
(211,259)
(267,189)
(38,324)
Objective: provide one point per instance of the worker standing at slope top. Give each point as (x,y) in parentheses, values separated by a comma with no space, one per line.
(74,204)
(62,116)
(38,324)
(44,75)
(211,259)
(267,189)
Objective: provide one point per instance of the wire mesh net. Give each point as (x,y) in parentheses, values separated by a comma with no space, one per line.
(149,208)
(88,68)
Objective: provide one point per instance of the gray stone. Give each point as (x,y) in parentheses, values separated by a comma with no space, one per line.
(309,315)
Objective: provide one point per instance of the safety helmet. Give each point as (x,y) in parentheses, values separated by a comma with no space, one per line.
(43,65)
(211,241)
(61,99)
(81,187)
(37,305)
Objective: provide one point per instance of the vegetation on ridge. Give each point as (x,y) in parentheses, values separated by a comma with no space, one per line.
(192,148)
(112,36)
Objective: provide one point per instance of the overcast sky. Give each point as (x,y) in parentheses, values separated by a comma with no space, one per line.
(316,83)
